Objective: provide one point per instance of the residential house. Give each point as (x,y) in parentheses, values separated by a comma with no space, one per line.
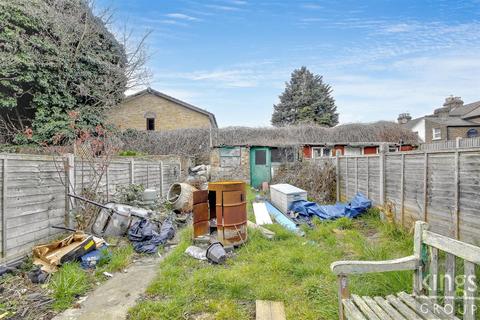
(152,110)
(454,120)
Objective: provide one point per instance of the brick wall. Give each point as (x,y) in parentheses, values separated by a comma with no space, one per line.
(429,131)
(241,171)
(454,132)
(169,115)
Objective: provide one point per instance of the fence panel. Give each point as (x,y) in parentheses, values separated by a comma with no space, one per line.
(441,187)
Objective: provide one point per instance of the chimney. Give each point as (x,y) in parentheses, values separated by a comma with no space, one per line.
(451,103)
(404,118)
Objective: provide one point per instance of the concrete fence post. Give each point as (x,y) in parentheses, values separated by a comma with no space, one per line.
(425,187)
(402,190)
(132,171)
(382,175)
(4,205)
(69,166)
(456,210)
(337,174)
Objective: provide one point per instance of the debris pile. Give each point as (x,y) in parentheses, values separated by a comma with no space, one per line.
(199,176)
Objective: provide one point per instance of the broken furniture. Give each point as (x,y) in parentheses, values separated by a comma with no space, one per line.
(50,256)
(223,208)
(418,305)
(283,195)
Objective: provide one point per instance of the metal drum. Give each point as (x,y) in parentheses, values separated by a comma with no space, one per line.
(230,210)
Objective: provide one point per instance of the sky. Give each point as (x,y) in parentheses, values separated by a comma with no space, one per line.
(381,58)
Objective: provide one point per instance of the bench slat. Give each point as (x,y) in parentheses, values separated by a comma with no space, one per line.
(450,281)
(376,308)
(437,309)
(351,311)
(417,306)
(469,291)
(460,249)
(389,309)
(402,308)
(364,308)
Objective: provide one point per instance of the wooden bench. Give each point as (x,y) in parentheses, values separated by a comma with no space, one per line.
(427,300)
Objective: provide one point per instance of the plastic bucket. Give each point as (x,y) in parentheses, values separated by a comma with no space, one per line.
(216,253)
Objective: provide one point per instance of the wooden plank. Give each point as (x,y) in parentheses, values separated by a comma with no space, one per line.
(261,213)
(364,308)
(469,292)
(343,294)
(389,309)
(440,311)
(356,175)
(403,308)
(351,311)
(417,252)
(269,310)
(359,267)
(372,304)
(417,306)
(433,268)
(449,281)
(460,249)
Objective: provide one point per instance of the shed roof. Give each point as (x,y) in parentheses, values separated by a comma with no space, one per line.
(149,90)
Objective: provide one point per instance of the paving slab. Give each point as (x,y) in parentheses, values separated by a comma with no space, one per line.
(112,299)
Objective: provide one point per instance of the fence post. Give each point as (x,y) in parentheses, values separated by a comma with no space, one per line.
(368,177)
(457,142)
(147,174)
(4,206)
(456,217)
(337,174)
(402,191)
(356,175)
(161,177)
(69,162)
(382,176)
(346,177)
(425,187)
(107,184)
(132,171)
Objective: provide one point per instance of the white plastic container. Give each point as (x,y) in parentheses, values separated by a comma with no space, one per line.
(282,196)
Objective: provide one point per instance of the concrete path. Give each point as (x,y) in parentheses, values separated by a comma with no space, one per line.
(112,299)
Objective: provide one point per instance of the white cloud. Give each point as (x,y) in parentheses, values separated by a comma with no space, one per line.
(222,7)
(181,16)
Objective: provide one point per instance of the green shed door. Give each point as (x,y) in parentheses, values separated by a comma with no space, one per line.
(260,166)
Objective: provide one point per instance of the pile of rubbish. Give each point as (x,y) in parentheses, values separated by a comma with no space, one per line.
(199,176)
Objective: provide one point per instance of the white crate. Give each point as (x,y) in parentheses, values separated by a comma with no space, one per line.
(282,196)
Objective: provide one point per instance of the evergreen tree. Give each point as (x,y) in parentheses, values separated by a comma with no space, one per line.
(306,99)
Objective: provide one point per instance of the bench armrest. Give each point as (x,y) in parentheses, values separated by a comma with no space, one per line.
(358,267)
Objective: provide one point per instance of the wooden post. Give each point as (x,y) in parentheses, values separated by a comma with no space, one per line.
(417,252)
(147,175)
(402,190)
(456,210)
(337,174)
(132,171)
(69,166)
(343,293)
(4,206)
(425,187)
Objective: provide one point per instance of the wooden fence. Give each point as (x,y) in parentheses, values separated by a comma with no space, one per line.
(439,187)
(33,192)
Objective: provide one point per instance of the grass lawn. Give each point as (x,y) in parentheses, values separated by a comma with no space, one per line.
(292,269)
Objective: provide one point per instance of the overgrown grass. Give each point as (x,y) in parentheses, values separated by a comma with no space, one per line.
(289,268)
(71,281)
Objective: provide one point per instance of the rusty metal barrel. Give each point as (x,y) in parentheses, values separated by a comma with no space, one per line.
(230,211)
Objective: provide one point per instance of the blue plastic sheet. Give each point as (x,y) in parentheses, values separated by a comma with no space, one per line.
(281,219)
(358,205)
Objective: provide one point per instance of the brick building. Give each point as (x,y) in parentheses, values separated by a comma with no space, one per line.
(153,110)
(453,120)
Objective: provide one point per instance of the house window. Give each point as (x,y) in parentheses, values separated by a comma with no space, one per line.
(472,133)
(436,134)
(282,155)
(321,152)
(151,124)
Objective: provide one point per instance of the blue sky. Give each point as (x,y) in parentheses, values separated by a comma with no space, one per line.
(382,58)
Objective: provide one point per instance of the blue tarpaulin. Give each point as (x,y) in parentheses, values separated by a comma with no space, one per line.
(358,205)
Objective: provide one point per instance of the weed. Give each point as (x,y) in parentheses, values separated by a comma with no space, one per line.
(68,283)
